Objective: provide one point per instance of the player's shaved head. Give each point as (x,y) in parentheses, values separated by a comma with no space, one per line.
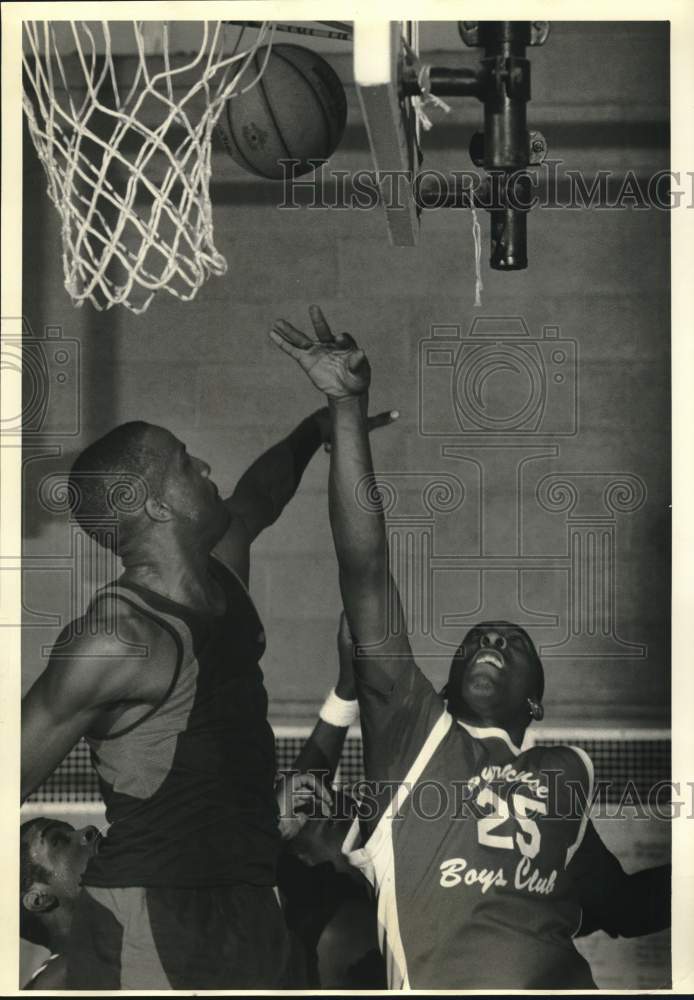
(111,479)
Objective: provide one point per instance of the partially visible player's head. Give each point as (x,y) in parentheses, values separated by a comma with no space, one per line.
(53,856)
(141,477)
(321,837)
(496,677)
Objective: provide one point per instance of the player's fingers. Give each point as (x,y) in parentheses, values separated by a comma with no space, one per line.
(383,419)
(345,340)
(311,782)
(356,360)
(302,803)
(286,346)
(302,798)
(320,325)
(291,333)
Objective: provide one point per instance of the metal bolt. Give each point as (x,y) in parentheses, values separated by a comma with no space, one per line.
(538,146)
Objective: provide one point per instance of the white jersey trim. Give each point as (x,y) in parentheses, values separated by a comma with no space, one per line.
(376,861)
(588,764)
(488,732)
(42,968)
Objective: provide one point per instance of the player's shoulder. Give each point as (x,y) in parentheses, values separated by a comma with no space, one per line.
(113,621)
(572,762)
(103,650)
(50,976)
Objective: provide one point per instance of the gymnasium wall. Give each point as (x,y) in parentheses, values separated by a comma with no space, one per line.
(206,370)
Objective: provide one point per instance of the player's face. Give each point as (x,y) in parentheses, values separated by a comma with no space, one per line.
(191,494)
(64,852)
(499,673)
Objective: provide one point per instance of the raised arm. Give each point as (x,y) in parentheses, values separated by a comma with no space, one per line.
(337,367)
(322,750)
(264,490)
(398,705)
(267,486)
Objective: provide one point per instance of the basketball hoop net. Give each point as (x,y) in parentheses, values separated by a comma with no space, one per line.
(128,163)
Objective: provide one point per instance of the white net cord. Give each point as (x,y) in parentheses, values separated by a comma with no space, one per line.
(477,240)
(128,163)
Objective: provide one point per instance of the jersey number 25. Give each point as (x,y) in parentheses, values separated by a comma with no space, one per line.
(527,838)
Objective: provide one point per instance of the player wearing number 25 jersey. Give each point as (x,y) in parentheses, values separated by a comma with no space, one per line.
(471,836)
(469,850)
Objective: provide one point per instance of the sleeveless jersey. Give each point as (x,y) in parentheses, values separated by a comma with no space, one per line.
(31,981)
(189,785)
(469,855)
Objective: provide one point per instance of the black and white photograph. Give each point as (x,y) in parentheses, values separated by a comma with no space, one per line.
(343,501)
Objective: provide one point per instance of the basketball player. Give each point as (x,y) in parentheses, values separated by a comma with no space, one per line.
(161,676)
(334,915)
(472,835)
(53,856)
(328,906)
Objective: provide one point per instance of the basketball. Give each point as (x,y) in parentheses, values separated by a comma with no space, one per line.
(297,111)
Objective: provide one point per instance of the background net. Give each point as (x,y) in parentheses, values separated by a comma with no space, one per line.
(628,766)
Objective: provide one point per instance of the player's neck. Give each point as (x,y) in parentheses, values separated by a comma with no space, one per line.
(59,929)
(179,573)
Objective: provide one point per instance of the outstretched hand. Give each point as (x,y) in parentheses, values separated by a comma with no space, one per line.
(335,365)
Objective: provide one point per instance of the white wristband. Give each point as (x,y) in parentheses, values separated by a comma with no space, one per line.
(338,711)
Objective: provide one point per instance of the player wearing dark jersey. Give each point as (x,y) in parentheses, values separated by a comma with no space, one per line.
(471,834)
(161,675)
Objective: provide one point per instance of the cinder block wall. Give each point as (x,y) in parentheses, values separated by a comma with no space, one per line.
(207,371)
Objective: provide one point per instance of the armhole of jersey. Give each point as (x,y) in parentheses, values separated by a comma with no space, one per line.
(364,857)
(579,924)
(41,969)
(177,670)
(590,772)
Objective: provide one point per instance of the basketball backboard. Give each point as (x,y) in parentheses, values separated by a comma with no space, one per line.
(383,52)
